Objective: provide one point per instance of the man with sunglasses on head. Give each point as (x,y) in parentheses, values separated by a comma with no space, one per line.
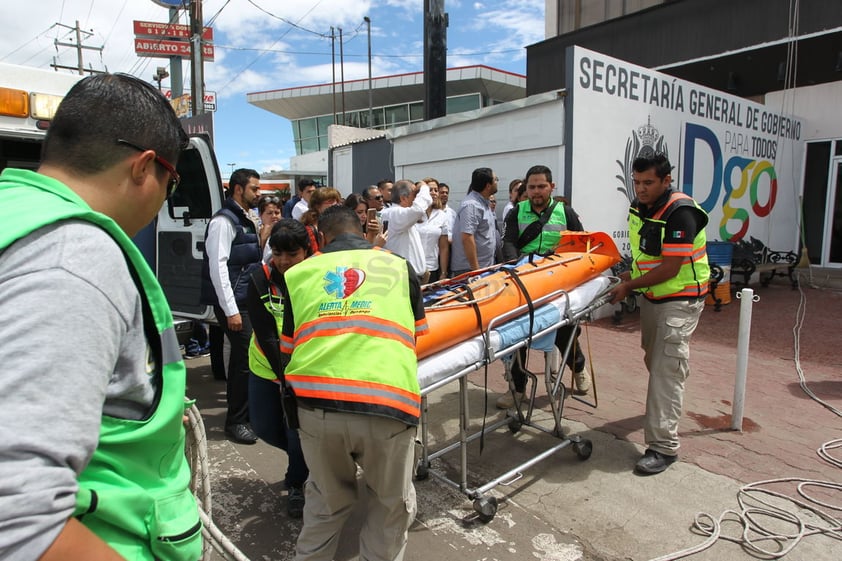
(232,251)
(92,462)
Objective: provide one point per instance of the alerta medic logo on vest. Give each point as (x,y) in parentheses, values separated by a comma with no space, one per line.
(342,283)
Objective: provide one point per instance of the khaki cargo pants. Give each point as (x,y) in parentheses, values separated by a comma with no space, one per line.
(665,338)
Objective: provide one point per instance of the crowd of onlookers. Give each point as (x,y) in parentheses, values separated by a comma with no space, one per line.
(411,219)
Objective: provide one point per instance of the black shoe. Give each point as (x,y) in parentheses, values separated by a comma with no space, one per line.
(241,434)
(295,502)
(653,462)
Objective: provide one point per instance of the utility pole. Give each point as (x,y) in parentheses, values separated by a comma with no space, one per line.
(176,79)
(80,66)
(435,59)
(342,73)
(370,113)
(197,58)
(333,71)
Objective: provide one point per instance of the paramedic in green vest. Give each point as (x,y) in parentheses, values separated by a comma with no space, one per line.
(670,269)
(289,241)
(92,462)
(535,226)
(344,306)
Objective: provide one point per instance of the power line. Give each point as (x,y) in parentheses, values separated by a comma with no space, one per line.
(249,65)
(317,53)
(28,42)
(291,23)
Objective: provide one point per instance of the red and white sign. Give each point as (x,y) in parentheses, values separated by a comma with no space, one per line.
(210,98)
(167,48)
(168,30)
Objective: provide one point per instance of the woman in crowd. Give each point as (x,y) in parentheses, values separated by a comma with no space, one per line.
(433,232)
(370,227)
(321,199)
(290,244)
(269,211)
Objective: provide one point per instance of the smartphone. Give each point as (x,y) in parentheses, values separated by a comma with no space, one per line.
(372,214)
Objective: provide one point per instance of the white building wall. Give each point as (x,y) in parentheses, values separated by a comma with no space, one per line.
(508,138)
(818,106)
(310,163)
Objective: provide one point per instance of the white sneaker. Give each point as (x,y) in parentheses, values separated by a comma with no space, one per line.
(506,401)
(582,380)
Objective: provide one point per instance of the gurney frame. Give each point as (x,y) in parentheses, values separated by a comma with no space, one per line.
(515,419)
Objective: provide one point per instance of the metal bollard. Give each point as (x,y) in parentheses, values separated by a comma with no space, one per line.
(747,298)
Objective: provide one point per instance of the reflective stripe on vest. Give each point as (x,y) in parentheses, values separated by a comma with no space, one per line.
(274,304)
(550,233)
(134,492)
(693,276)
(353,347)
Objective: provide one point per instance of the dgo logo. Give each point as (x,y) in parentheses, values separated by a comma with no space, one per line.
(344,281)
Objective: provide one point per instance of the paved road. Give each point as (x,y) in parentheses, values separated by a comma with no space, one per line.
(565,509)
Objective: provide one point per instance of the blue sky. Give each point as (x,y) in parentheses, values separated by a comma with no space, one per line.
(273,44)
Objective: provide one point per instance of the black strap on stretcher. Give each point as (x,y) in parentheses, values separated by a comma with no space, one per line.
(487,344)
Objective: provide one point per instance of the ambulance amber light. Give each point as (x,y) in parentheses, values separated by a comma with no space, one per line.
(14,103)
(43,106)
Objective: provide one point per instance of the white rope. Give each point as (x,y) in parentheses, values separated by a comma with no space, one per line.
(196,448)
(756,538)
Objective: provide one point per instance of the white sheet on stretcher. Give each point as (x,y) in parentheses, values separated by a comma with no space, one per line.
(454,359)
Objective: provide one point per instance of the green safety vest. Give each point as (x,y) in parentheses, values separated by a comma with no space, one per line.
(694,274)
(353,347)
(274,303)
(550,234)
(134,493)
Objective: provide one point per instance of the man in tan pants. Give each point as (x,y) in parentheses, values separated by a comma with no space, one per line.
(343,306)
(670,268)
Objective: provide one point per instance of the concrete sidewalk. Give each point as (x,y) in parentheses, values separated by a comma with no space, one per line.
(567,509)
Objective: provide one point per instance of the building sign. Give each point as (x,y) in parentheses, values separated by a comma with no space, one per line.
(210,101)
(739,159)
(167,48)
(168,30)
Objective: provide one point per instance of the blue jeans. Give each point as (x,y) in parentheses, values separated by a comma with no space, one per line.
(267,420)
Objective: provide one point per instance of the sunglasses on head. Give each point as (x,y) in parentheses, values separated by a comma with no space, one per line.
(175,179)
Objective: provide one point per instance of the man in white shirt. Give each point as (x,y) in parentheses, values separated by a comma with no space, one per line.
(444,196)
(232,249)
(403,238)
(303,205)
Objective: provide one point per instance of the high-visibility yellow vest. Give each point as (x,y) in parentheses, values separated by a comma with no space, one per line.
(353,347)
(274,303)
(694,274)
(550,234)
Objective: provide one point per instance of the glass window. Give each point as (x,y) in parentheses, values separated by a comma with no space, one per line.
(308,128)
(309,145)
(416,111)
(462,103)
(364,118)
(324,122)
(397,115)
(352,119)
(193,191)
(379,119)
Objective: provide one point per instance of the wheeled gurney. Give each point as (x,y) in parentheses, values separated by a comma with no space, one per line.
(505,335)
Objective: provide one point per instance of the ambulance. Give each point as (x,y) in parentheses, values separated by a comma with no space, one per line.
(173,243)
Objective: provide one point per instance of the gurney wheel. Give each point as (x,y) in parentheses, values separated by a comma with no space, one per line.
(583,449)
(514,425)
(422,471)
(486,508)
